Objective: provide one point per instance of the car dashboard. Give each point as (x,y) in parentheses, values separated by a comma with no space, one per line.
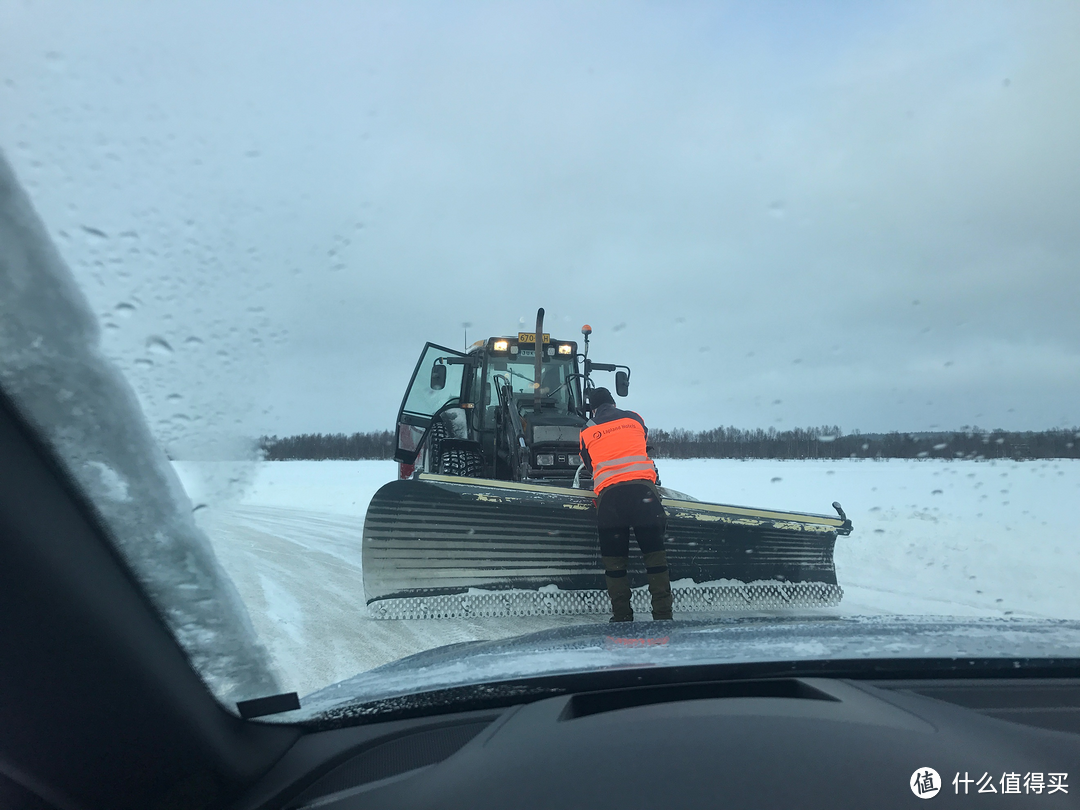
(780,742)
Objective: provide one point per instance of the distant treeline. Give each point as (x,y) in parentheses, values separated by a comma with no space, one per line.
(732,442)
(323,446)
(831,442)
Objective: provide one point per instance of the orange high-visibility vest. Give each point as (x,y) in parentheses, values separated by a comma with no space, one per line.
(617,451)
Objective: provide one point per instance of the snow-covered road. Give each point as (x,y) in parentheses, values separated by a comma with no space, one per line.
(931,537)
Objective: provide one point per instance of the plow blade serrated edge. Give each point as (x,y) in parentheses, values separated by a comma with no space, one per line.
(439,547)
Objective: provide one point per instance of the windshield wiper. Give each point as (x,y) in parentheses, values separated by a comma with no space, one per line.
(271,704)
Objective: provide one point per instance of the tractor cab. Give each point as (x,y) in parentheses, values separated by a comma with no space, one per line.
(503,410)
(529,422)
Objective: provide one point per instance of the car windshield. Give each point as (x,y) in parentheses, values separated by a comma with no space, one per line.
(263,268)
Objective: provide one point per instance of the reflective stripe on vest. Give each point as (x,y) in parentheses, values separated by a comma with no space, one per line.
(600,480)
(617,451)
(600,465)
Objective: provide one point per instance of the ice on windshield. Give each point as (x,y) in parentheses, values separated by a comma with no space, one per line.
(52,367)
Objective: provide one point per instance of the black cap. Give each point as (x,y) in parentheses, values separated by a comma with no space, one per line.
(600,396)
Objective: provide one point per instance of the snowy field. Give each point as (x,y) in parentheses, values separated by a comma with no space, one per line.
(958,538)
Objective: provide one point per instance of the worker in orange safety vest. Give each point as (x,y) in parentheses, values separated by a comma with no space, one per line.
(625,481)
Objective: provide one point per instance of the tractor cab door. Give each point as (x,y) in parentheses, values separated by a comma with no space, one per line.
(422,401)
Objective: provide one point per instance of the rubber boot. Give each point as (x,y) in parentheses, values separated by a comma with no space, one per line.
(659,584)
(618,588)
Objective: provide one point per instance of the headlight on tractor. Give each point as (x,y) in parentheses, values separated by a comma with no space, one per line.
(500,345)
(545,460)
(565,348)
(575,461)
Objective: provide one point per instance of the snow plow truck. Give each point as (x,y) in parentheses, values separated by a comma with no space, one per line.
(493,513)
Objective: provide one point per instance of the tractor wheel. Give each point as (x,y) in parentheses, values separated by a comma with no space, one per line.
(434,445)
(465,463)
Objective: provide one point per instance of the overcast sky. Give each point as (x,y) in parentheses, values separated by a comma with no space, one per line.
(778,214)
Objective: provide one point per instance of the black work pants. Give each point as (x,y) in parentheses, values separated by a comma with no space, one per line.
(631,505)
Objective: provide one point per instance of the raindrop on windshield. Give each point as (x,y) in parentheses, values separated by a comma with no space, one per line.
(125,309)
(158,345)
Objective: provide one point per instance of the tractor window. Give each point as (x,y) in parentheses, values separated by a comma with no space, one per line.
(421,400)
(555,379)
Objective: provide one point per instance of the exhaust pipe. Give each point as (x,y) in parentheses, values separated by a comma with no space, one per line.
(539,351)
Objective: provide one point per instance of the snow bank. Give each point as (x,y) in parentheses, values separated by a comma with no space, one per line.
(974,536)
(52,368)
(337,487)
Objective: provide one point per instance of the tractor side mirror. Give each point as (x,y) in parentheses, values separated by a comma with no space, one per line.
(622,383)
(438,377)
